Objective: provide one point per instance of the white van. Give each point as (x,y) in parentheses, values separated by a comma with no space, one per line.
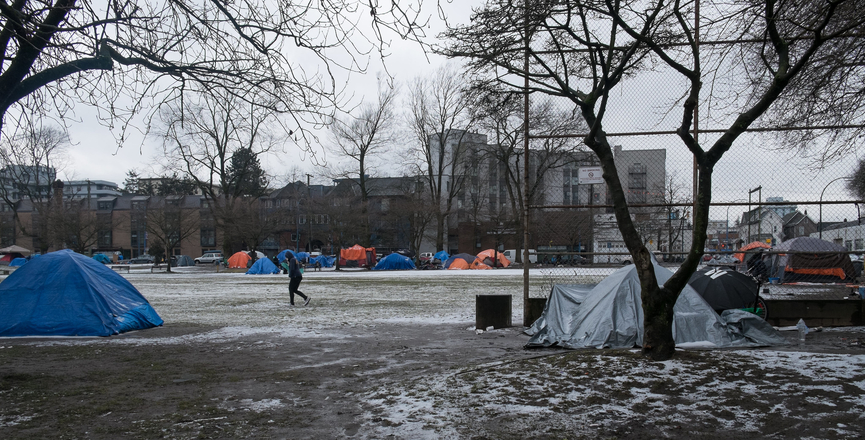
(511,254)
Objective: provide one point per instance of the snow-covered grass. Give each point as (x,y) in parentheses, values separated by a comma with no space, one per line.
(707,394)
(554,394)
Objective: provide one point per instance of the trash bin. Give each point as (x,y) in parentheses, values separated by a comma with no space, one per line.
(492,311)
(536,309)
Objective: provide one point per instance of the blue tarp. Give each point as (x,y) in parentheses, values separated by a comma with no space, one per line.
(441,256)
(102,258)
(68,294)
(17,262)
(323,259)
(262,266)
(281,256)
(394,262)
(301,256)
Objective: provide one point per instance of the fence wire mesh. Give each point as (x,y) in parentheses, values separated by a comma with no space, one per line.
(768,201)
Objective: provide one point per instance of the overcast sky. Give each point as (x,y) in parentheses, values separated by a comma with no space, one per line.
(95,154)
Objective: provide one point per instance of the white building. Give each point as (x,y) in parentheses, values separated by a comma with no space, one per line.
(92,189)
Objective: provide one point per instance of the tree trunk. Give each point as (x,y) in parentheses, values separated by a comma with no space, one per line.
(658,302)
(440,231)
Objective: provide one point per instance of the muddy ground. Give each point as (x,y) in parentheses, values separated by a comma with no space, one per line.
(411,381)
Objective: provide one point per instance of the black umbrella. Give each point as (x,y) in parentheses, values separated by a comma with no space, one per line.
(725,288)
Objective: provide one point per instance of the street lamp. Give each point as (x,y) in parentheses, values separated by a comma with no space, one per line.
(728,222)
(759,190)
(820,222)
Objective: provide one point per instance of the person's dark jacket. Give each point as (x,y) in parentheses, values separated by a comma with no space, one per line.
(294,268)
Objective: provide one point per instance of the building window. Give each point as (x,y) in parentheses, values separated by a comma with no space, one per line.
(637,183)
(105,239)
(208,238)
(858,244)
(104,206)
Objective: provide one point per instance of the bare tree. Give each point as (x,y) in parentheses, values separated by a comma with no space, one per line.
(416,211)
(148,53)
(169,222)
(29,163)
(202,141)
(74,225)
(439,116)
(363,137)
(582,50)
(500,115)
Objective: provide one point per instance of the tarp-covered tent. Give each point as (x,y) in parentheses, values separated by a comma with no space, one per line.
(17,262)
(102,258)
(492,255)
(282,255)
(741,254)
(302,257)
(610,315)
(357,256)
(811,260)
(406,253)
(262,266)
(322,261)
(395,262)
(68,294)
(441,256)
(239,260)
(464,262)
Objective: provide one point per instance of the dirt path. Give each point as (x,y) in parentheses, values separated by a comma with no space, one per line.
(256,386)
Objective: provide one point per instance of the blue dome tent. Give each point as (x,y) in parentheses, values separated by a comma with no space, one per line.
(262,266)
(102,258)
(441,256)
(17,262)
(394,262)
(282,255)
(68,294)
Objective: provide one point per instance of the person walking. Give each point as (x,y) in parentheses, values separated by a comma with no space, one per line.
(295,276)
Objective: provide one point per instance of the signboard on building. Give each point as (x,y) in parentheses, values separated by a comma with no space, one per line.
(590,175)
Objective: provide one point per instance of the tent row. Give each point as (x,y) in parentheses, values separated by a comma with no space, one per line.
(801,259)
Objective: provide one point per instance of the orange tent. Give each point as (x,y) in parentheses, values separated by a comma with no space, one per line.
(752,245)
(478,264)
(459,264)
(357,256)
(465,262)
(491,254)
(239,259)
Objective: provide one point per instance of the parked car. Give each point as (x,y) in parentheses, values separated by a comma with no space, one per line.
(142,259)
(210,257)
(573,260)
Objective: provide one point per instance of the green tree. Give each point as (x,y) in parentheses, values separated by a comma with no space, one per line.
(856,184)
(245,173)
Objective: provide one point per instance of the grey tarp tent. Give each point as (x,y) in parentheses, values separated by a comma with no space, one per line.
(610,315)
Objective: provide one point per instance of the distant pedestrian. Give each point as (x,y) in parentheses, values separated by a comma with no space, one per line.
(295,276)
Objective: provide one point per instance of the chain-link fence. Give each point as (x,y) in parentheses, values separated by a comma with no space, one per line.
(772,208)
